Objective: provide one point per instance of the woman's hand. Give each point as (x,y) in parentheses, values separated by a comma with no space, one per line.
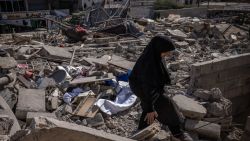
(150,117)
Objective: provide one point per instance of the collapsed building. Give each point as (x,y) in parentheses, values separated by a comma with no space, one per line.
(55,83)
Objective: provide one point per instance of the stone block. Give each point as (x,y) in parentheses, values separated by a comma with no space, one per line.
(31,115)
(210,130)
(225,122)
(146,133)
(46,129)
(7,62)
(5,124)
(30,100)
(5,110)
(56,52)
(162,135)
(189,107)
(202,94)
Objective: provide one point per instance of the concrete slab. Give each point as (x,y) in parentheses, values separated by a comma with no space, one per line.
(45,129)
(189,107)
(30,100)
(5,110)
(92,79)
(56,52)
(7,62)
(207,129)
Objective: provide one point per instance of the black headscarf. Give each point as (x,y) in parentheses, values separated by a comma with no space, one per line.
(149,67)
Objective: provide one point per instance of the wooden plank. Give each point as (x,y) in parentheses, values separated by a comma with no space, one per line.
(83,109)
(91,79)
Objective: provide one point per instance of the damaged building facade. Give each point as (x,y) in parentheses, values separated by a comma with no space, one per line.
(72,80)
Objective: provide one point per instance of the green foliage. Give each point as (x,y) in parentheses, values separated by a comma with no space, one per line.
(166,4)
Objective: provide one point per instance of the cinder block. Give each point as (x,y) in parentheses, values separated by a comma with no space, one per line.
(30,100)
(189,107)
(5,110)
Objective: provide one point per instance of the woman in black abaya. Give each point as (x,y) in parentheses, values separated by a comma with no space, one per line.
(147,81)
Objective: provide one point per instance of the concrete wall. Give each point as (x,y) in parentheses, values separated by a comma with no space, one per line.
(230,74)
(185,12)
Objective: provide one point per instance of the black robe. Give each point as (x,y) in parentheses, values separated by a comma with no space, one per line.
(149,73)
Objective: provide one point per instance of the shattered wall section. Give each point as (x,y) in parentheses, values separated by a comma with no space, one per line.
(230,74)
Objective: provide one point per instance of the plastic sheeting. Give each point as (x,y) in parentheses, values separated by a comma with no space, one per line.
(124,100)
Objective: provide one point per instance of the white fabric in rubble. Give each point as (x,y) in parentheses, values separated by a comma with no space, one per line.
(124,100)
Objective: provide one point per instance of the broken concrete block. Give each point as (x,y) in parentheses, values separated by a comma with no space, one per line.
(216,94)
(202,94)
(224,122)
(30,100)
(216,109)
(55,52)
(45,129)
(206,129)
(182,44)
(7,62)
(31,115)
(9,96)
(147,133)
(95,121)
(162,135)
(6,124)
(177,33)
(53,103)
(189,107)
(5,110)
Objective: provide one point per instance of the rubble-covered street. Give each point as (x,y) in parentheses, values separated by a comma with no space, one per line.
(66,82)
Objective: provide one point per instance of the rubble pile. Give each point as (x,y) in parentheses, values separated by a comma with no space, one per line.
(86,83)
